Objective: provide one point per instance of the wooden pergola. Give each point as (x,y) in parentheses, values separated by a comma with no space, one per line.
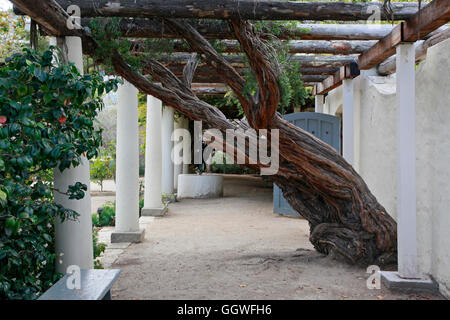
(314,178)
(328,53)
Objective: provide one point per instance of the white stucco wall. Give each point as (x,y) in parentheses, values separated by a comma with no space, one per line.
(375,152)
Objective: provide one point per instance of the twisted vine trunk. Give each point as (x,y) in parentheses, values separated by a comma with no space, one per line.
(345,218)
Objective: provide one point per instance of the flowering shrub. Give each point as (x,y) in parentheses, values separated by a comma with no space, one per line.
(46,122)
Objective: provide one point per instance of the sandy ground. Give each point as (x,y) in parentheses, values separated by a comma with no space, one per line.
(235,248)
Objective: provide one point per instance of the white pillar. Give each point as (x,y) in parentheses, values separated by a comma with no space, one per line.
(187,146)
(319,103)
(406,162)
(73,239)
(348,121)
(178,168)
(153,205)
(167,144)
(127,167)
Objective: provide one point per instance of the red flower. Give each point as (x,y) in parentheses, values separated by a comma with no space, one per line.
(62,119)
(3,119)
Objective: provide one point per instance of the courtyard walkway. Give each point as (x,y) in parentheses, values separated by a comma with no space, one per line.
(234,248)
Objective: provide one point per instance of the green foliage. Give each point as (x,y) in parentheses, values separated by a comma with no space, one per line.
(103,167)
(99,248)
(107,34)
(46,122)
(291,86)
(14,35)
(228,168)
(106,217)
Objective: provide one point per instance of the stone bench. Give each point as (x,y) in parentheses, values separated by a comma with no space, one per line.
(95,285)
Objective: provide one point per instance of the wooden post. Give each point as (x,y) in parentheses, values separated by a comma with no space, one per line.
(406,162)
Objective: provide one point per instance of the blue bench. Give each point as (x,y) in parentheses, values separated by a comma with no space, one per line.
(95,285)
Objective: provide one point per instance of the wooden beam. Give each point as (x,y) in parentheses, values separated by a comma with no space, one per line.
(207,70)
(382,50)
(154,28)
(215,78)
(389,65)
(431,17)
(306,61)
(348,71)
(211,29)
(204,89)
(296,46)
(50,15)
(239,9)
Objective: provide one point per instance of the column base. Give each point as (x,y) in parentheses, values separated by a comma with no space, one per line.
(394,282)
(154,212)
(135,237)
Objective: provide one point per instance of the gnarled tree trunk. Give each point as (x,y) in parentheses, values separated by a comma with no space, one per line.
(344,217)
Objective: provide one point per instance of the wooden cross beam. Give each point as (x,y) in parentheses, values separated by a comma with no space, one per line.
(389,65)
(306,61)
(296,46)
(240,9)
(349,71)
(207,70)
(431,17)
(210,29)
(215,78)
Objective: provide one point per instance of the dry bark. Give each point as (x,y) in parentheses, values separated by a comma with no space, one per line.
(240,9)
(345,218)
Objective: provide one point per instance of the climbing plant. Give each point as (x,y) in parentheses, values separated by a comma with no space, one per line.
(345,218)
(107,34)
(46,122)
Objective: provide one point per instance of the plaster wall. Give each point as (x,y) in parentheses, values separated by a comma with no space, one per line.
(375,151)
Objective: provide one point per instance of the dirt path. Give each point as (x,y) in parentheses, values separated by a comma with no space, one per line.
(235,248)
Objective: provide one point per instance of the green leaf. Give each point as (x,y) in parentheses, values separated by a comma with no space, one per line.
(10,225)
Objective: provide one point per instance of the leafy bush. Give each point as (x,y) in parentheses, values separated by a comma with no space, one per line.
(100,171)
(104,166)
(106,217)
(46,122)
(99,248)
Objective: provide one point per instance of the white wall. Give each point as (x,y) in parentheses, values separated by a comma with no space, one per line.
(375,152)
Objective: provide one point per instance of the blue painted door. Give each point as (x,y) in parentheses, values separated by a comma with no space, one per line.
(325,127)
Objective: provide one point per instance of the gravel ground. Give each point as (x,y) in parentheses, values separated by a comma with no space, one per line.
(236,248)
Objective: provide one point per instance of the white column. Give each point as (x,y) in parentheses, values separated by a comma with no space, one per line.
(178,168)
(167,144)
(187,146)
(406,162)
(153,205)
(348,121)
(127,167)
(73,239)
(319,103)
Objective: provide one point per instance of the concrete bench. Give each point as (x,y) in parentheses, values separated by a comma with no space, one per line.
(95,285)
